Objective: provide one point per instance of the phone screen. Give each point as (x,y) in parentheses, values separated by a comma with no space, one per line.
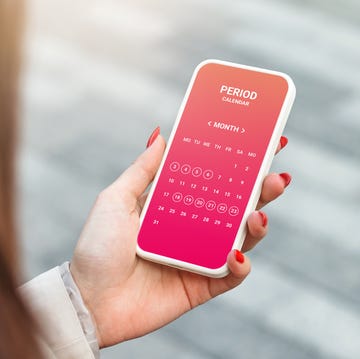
(220,139)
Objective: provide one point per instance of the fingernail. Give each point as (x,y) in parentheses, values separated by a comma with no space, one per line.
(264,218)
(286,177)
(283,141)
(153,136)
(239,256)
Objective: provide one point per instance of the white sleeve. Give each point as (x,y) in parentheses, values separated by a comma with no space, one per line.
(49,301)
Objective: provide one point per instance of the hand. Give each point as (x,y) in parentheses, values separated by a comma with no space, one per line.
(128,296)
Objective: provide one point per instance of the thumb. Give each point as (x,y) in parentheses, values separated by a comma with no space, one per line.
(139,175)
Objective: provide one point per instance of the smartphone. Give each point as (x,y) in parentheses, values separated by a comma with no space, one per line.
(219,151)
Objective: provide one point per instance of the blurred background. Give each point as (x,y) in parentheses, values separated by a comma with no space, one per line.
(100,75)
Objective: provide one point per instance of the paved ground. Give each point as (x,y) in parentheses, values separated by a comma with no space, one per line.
(102,74)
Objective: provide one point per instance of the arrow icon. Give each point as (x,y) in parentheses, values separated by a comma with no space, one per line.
(210,123)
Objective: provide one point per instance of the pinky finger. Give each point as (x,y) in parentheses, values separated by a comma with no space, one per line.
(239,266)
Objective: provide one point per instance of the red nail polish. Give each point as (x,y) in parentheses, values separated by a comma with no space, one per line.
(263,218)
(239,256)
(286,177)
(283,141)
(153,136)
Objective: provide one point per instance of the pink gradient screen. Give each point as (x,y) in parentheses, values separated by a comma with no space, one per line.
(212,164)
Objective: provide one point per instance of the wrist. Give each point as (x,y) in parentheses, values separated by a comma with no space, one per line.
(91,298)
(84,314)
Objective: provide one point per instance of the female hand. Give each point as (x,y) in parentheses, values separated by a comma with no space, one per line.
(128,296)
